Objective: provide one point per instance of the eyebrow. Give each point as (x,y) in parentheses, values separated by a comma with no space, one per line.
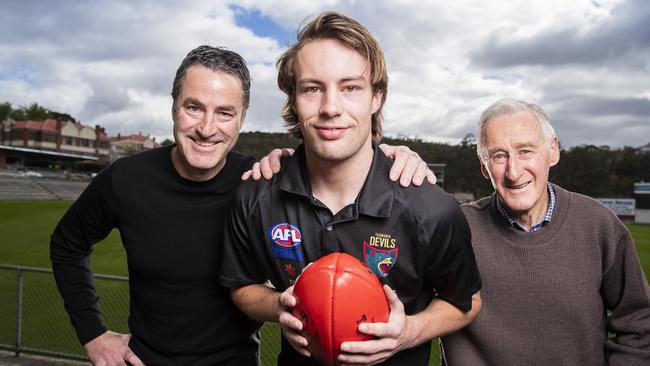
(516,147)
(226,107)
(343,80)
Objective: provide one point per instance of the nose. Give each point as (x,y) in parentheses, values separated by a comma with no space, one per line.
(331,103)
(207,126)
(513,169)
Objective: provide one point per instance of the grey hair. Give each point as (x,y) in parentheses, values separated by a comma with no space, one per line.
(215,59)
(508,106)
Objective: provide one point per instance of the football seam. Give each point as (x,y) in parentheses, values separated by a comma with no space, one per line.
(333,312)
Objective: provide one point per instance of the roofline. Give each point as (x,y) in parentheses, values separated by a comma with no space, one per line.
(45,152)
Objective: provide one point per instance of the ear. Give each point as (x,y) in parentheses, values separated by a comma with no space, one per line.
(376,101)
(243,119)
(484,170)
(555,152)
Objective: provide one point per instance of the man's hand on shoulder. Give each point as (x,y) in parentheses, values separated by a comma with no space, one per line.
(268,165)
(111,349)
(408,166)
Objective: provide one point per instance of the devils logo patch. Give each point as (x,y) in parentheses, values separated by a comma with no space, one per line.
(379,261)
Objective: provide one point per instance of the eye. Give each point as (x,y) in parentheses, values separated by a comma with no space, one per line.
(499,157)
(351,88)
(311,89)
(223,115)
(192,108)
(525,153)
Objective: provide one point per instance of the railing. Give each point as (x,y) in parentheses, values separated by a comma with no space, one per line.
(33,320)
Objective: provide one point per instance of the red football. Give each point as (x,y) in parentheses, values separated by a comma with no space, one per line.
(335,294)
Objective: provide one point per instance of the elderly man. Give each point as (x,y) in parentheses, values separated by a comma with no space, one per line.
(562,284)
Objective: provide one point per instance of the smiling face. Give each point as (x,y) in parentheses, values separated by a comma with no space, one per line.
(518,162)
(334,100)
(208,115)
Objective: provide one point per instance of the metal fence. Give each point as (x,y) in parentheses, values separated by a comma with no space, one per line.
(33,320)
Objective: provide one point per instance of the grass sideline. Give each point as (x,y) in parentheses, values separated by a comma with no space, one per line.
(25,227)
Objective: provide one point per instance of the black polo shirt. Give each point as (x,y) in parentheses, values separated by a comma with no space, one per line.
(414,239)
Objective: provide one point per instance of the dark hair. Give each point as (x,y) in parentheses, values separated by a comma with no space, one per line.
(332,25)
(215,59)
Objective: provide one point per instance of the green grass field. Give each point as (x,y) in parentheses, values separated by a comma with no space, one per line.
(25,227)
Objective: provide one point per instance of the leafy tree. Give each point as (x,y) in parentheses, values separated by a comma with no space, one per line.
(167,142)
(62,116)
(5,110)
(33,112)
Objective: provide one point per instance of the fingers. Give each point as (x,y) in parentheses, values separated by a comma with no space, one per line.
(400,158)
(266,168)
(353,359)
(255,172)
(132,359)
(287,320)
(396,306)
(431,177)
(411,166)
(287,152)
(268,165)
(291,328)
(420,173)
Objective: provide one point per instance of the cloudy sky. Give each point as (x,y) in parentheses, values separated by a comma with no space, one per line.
(587,63)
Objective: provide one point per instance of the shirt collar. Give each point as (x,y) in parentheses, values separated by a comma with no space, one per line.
(376,196)
(537,227)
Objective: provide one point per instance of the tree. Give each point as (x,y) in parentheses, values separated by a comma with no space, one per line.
(167,142)
(62,116)
(32,113)
(5,111)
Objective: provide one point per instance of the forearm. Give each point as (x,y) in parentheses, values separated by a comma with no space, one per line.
(75,283)
(438,319)
(258,302)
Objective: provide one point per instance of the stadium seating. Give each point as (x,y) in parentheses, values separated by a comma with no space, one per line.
(34,188)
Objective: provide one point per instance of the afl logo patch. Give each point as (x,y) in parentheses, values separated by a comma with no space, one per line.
(286,240)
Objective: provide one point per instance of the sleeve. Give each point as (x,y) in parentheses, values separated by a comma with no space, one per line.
(627,297)
(240,265)
(452,268)
(89,220)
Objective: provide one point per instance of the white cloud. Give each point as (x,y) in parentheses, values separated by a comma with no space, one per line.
(112,62)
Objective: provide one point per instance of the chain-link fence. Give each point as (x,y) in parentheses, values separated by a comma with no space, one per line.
(32,318)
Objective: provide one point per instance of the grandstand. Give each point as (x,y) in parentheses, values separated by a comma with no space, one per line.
(17,187)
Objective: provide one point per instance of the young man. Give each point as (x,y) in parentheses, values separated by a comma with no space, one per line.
(169,205)
(333,193)
(562,284)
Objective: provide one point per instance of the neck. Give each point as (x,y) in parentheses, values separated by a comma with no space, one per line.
(185,170)
(337,183)
(532,217)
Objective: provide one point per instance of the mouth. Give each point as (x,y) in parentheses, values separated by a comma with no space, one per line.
(202,143)
(331,133)
(517,186)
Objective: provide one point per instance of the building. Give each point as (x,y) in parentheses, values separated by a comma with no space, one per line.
(125,145)
(52,135)
(642,209)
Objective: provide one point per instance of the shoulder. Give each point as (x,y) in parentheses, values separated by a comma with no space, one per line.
(251,194)
(482,204)
(585,207)
(477,208)
(239,161)
(143,160)
(429,204)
